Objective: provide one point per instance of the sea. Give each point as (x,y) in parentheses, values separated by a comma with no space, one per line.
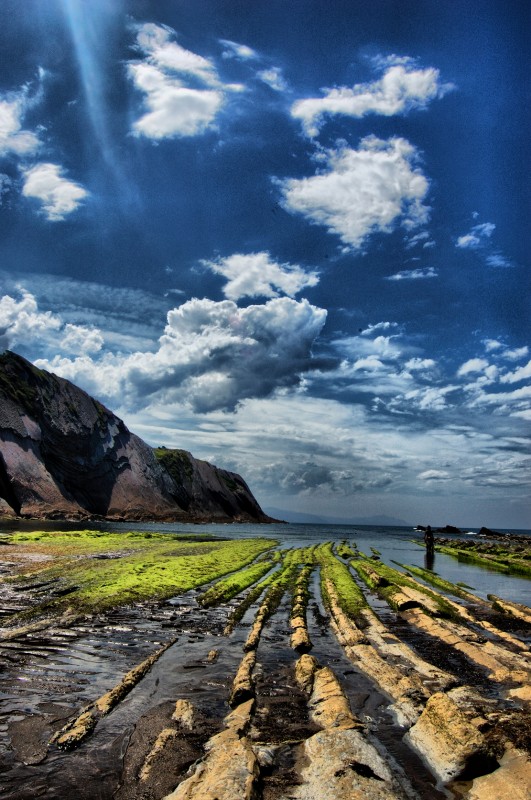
(394,545)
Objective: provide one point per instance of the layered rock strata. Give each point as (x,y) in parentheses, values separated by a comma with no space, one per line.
(64,455)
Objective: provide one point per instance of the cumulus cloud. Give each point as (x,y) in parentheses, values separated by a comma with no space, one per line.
(23,324)
(520,374)
(362,192)
(58,195)
(212,355)
(401,89)
(80,339)
(477,237)
(21,320)
(413,274)
(13,138)
(182,90)
(257,275)
(472,365)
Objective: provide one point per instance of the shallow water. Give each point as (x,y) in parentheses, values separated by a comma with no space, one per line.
(394,543)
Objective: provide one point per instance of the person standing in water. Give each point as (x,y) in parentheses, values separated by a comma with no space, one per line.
(428,539)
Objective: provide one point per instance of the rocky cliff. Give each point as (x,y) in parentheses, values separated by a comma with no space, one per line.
(64,455)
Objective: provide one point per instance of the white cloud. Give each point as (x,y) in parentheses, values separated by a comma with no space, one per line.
(168,76)
(471,366)
(58,195)
(419,238)
(492,344)
(240,51)
(256,275)
(81,339)
(155,41)
(430,398)
(477,237)
(212,354)
(273,78)
(421,364)
(400,90)
(363,191)
(370,363)
(498,261)
(13,138)
(22,324)
(520,374)
(433,475)
(516,354)
(413,274)
(379,326)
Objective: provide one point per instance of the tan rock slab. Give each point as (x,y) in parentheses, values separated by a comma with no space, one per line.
(300,641)
(230,768)
(304,672)
(163,738)
(342,765)
(502,664)
(446,734)
(514,609)
(328,705)
(512,781)
(243,684)
(229,772)
(75,731)
(185,714)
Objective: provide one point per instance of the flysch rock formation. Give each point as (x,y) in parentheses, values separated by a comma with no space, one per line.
(65,455)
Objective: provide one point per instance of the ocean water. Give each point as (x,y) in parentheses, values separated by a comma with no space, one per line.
(397,544)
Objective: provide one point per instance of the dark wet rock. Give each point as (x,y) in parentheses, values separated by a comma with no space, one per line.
(63,455)
(488,532)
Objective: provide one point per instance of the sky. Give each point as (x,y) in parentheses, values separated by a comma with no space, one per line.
(289,237)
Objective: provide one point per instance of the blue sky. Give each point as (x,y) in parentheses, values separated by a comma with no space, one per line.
(289,237)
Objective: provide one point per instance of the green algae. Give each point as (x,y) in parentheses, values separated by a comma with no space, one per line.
(345,551)
(387,582)
(97,570)
(436,580)
(497,558)
(238,613)
(233,585)
(349,595)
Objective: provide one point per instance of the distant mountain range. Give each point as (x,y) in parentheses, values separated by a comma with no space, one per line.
(63,455)
(313,519)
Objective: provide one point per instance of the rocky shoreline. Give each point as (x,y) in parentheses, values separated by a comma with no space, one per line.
(318,672)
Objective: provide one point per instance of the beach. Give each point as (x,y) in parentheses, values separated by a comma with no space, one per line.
(298,661)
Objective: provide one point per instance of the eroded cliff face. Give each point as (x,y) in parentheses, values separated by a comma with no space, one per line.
(63,454)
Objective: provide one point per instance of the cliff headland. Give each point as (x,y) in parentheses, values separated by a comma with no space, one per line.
(64,455)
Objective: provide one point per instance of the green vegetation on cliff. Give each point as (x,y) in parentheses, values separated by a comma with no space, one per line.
(176,462)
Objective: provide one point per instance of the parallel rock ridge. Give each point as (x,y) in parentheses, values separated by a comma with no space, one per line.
(65,455)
